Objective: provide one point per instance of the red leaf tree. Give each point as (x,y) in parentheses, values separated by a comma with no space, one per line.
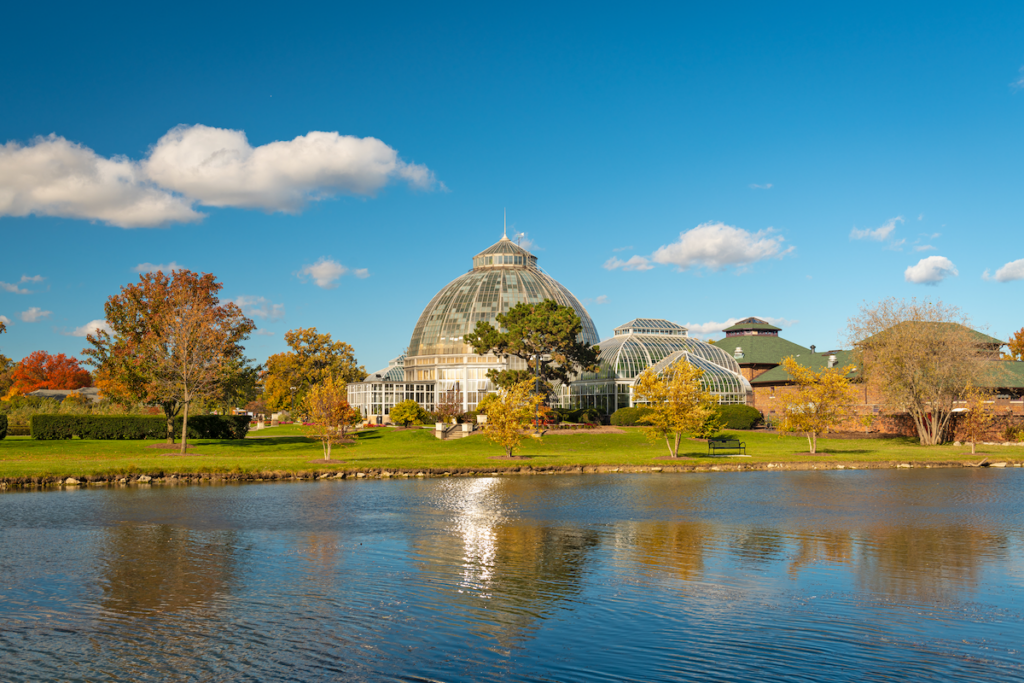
(42,370)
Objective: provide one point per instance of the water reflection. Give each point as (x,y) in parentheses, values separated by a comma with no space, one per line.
(866,576)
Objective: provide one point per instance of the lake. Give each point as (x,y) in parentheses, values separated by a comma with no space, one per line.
(840,575)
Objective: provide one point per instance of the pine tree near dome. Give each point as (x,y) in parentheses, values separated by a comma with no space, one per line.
(545,335)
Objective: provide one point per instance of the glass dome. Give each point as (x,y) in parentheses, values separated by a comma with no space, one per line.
(503,275)
(644,342)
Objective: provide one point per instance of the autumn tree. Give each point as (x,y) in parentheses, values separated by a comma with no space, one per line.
(330,416)
(171,342)
(819,402)
(290,374)
(408,412)
(6,368)
(921,357)
(1015,348)
(509,413)
(42,370)
(975,419)
(677,401)
(449,403)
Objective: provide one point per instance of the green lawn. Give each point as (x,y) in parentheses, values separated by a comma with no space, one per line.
(280,450)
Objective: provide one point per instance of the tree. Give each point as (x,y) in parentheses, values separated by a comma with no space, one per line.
(6,367)
(1016,345)
(820,401)
(449,403)
(41,370)
(677,403)
(510,413)
(975,420)
(921,357)
(326,407)
(546,335)
(409,412)
(170,343)
(290,374)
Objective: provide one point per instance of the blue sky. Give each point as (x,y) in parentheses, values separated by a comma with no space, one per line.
(692,162)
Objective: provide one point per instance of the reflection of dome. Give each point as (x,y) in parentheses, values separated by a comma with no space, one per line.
(503,275)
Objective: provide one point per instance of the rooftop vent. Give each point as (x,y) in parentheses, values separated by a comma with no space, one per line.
(739,353)
(832,361)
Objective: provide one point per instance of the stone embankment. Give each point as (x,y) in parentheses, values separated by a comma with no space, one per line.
(160,478)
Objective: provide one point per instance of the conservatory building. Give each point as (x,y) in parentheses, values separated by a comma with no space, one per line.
(650,343)
(438,361)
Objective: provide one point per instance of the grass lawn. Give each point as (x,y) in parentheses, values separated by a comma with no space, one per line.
(281,450)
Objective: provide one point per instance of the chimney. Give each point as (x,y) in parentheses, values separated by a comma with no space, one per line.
(812,348)
(832,361)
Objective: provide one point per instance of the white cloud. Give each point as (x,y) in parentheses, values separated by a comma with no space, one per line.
(525,242)
(361,273)
(260,307)
(930,270)
(1014,270)
(91,327)
(633,263)
(34,314)
(147,267)
(713,329)
(1019,83)
(766,186)
(218,167)
(264,333)
(325,272)
(5,320)
(602,299)
(920,216)
(924,247)
(878,234)
(13,288)
(618,249)
(716,245)
(52,176)
(34,279)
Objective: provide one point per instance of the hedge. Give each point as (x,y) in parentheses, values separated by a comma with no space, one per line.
(47,427)
(739,417)
(627,417)
(3,427)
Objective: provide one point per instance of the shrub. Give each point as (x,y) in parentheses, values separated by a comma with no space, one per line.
(3,427)
(408,412)
(48,427)
(627,417)
(739,417)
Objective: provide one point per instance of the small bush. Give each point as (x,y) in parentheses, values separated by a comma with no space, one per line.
(627,417)
(739,417)
(3,427)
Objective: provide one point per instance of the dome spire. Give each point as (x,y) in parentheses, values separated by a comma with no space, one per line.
(504,224)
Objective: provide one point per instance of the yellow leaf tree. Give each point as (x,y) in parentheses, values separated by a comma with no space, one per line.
(329,414)
(677,400)
(509,413)
(975,420)
(821,401)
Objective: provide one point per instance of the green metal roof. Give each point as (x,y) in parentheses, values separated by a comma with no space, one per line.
(1003,374)
(981,337)
(758,350)
(751,324)
(812,361)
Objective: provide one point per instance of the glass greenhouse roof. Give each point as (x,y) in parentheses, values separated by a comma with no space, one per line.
(650,326)
(394,372)
(503,275)
(627,354)
(716,379)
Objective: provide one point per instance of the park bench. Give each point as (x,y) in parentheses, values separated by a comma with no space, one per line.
(715,445)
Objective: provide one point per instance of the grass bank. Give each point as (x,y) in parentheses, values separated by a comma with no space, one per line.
(280,453)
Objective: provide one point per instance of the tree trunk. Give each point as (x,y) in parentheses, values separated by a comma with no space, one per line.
(169,414)
(184,430)
(972,446)
(327,453)
(810,442)
(675,451)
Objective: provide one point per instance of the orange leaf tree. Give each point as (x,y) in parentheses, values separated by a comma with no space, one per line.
(42,370)
(330,416)
(6,366)
(170,343)
(1016,345)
